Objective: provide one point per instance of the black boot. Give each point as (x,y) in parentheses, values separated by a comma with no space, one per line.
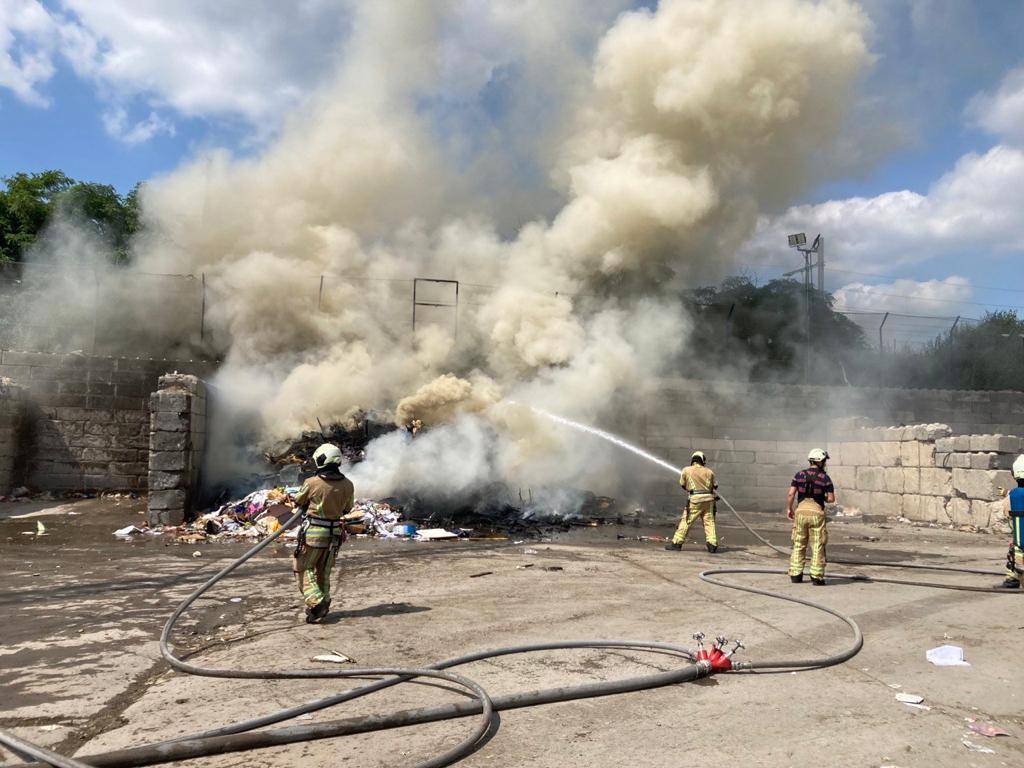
(1009,583)
(310,615)
(798,579)
(711,547)
(818,581)
(322,608)
(674,547)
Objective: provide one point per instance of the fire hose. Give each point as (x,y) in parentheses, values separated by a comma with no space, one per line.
(242,736)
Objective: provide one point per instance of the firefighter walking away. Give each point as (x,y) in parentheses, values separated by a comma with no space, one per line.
(325,498)
(699,482)
(810,490)
(1015,510)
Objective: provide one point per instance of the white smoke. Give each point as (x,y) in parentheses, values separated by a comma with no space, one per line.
(663,139)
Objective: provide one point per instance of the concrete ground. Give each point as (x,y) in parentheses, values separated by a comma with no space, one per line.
(79,668)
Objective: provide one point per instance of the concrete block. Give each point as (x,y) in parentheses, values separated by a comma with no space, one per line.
(173,499)
(856,454)
(910,453)
(843,477)
(944,445)
(911,480)
(996,443)
(165,481)
(884,454)
(179,402)
(168,461)
(910,506)
(936,482)
(958,512)
(961,443)
(169,441)
(927,454)
(982,484)
(983,461)
(159,516)
(986,514)
(859,500)
(887,504)
(894,479)
(756,445)
(958,461)
(870,479)
(937,431)
(932,509)
(170,421)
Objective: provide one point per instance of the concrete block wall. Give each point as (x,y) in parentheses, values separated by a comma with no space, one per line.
(924,473)
(86,418)
(177,439)
(12,408)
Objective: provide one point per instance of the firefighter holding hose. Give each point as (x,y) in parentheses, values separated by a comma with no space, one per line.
(1015,511)
(325,498)
(810,490)
(699,482)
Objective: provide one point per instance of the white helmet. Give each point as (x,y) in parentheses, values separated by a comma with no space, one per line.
(327,454)
(817,455)
(1018,467)
(698,456)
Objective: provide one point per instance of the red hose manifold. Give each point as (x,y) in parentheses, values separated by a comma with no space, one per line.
(718,660)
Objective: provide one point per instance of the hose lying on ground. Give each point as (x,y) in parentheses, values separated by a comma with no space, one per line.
(241,736)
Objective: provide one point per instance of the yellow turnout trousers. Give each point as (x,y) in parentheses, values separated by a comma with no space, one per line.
(808,525)
(704,510)
(313,568)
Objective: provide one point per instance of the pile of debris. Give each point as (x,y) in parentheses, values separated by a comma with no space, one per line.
(352,437)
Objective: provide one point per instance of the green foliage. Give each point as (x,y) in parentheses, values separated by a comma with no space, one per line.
(30,201)
(760,332)
(989,355)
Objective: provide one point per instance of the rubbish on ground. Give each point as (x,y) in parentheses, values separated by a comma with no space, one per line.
(435,534)
(197,553)
(50,727)
(987,729)
(525,565)
(40,529)
(552,568)
(405,529)
(529,551)
(909,698)
(919,706)
(482,573)
(895,685)
(334,658)
(236,599)
(128,530)
(947,656)
(977,747)
(623,537)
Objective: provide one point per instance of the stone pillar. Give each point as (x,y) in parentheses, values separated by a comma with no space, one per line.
(177,437)
(12,408)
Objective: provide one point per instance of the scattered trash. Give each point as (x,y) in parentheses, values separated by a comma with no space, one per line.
(127,531)
(986,729)
(334,658)
(529,551)
(482,573)
(977,747)
(919,706)
(40,529)
(405,529)
(909,698)
(552,568)
(895,685)
(197,553)
(947,656)
(50,727)
(236,599)
(525,565)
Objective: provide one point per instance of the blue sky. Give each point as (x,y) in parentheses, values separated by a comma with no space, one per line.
(118,92)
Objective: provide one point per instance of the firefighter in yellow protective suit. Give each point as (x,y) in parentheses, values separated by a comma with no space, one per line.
(700,483)
(809,492)
(1014,509)
(325,498)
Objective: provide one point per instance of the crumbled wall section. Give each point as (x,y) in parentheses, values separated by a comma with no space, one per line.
(177,438)
(12,407)
(924,474)
(86,418)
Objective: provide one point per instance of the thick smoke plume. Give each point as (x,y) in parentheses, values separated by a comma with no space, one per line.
(662,135)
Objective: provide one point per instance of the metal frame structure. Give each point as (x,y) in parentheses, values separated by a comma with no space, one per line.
(417,303)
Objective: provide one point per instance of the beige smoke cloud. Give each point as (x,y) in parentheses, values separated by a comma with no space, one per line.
(695,118)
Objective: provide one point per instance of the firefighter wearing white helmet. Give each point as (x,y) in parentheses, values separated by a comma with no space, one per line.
(810,490)
(699,482)
(1015,511)
(325,498)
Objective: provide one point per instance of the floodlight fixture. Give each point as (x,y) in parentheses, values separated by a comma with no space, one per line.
(795,241)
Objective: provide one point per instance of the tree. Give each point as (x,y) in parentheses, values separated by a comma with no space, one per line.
(30,201)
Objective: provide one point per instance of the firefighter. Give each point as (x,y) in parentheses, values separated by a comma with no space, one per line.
(699,482)
(324,498)
(810,490)
(1015,511)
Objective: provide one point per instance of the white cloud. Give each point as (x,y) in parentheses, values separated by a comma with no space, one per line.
(28,35)
(118,126)
(1002,112)
(930,297)
(976,206)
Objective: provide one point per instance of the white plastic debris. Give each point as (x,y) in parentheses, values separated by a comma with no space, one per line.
(128,530)
(909,698)
(977,747)
(947,656)
(435,534)
(334,658)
